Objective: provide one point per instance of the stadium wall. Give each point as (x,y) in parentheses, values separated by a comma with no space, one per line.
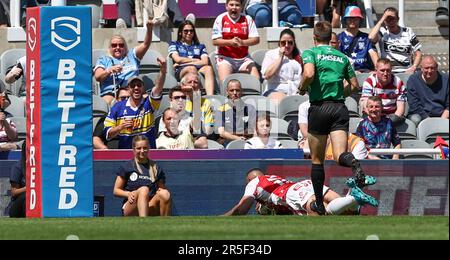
(211,187)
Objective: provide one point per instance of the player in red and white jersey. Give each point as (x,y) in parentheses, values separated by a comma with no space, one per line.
(233,33)
(283,196)
(259,188)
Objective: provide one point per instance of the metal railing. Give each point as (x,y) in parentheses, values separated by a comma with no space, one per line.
(403,151)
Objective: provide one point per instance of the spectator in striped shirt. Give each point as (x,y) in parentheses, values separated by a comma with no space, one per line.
(389,88)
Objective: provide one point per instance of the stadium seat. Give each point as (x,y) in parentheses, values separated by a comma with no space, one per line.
(213,145)
(411,144)
(99,107)
(262,104)
(95,122)
(150,82)
(258,57)
(361,78)
(96,54)
(429,128)
(165,103)
(149,63)
(353,124)
(21,125)
(288,106)
(250,84)
(8,59)
(17,107)
(280,129)
(170,69)
(403,76)
(289,144)
(352,107)
(407,130)
(236,144)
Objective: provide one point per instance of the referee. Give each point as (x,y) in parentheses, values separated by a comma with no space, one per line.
(323,77)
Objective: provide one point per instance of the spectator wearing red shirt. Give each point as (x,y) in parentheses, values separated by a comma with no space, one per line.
(233,33)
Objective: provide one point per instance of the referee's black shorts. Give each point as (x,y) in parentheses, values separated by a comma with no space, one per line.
(327,116)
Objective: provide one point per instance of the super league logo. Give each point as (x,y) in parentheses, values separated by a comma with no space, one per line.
(31,35)
(65,32)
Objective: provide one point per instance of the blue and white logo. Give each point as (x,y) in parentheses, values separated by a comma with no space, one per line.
(65,32)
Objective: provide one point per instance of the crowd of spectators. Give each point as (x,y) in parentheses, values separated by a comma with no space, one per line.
(192,116)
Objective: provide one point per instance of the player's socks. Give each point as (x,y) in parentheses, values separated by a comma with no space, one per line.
(339,205)
(318,179)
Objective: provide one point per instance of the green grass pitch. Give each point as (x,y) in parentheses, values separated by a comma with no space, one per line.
(229,228)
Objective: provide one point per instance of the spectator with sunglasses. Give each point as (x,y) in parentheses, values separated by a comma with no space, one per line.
(135,116)
(282,68)
(177,98)
(113,70)
(189,55)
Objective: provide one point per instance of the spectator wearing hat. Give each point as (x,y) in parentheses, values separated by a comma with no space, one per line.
(356,44)
(398,44)
(113,70)
(135,115)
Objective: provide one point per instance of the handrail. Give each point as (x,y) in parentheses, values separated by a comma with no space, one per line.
(402,151)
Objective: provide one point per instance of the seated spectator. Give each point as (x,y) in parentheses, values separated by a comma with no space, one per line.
(237,118)
(356,44)
(189,55)
(398,44)
(233,33)
(157,9)
(377,130)
(15,72)
(389,88)
(428,92)
(172,138)
(142,184)
(135,116)
(114,69)
(99,140)
(177,98)
(262,138)
(261,12)
(16,207)
(196,104)
(282,68)
(8,130)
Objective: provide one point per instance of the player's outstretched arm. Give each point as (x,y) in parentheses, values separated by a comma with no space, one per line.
(242,207)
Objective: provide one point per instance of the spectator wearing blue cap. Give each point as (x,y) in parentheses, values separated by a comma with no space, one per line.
(356,44)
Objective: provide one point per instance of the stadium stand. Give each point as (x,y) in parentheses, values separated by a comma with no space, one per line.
(149,63)
(289,144)
(99,106)
(352,107)
(288,107)
(150,82)
(236,144)
(213,145)
(407,130)
(432,127)
(16,108)
(280,129)
(261,104)
(7,59)
(415,144)
(353,125)
(250,85)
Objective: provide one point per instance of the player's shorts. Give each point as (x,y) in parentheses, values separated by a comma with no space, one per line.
(299,193)
(327,116)
(236,64)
